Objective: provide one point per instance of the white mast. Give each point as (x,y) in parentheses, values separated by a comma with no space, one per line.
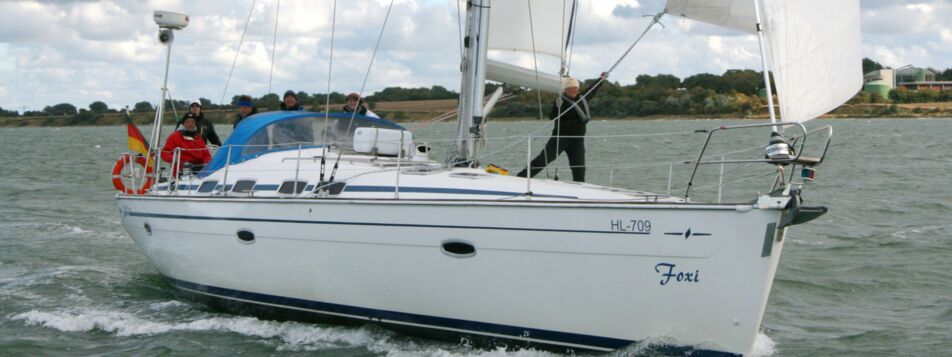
(472,89)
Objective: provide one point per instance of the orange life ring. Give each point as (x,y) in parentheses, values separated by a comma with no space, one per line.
(117,174)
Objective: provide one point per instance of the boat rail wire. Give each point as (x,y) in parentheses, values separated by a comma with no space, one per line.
(401,164)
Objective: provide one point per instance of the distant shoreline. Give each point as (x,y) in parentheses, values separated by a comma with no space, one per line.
(226,117)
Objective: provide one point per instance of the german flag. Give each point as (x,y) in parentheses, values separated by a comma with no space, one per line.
(137,142)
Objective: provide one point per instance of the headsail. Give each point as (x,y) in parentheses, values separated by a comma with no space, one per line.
(813,47)
(510,30)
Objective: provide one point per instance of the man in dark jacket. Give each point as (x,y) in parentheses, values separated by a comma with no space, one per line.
(290,101)
(205,128)
(245,109)
(569,132)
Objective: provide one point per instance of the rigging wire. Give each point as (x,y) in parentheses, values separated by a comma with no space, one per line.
(327,100)
(240,42)
(370,66)
(274,42)
(563,43)
(535,62)
(656,19)
(571,35)
(459,29)
(364,84)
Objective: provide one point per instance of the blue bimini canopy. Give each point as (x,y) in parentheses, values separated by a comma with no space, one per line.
(288,130)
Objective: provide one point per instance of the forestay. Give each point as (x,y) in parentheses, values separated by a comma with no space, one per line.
(813,47)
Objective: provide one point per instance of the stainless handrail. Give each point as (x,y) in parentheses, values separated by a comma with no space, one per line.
(710,134)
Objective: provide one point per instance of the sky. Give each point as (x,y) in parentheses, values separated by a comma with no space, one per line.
(79,52)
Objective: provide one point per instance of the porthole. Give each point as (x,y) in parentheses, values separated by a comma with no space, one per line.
(246,236)
(148,229)
(458,249)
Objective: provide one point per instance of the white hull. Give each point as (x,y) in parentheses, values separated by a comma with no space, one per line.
(573,274)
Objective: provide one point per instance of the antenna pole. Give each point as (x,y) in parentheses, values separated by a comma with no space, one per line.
(157,123)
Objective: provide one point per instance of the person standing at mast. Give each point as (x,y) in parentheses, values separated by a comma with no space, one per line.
(569,132)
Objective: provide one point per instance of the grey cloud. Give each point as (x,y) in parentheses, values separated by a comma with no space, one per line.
(626,11)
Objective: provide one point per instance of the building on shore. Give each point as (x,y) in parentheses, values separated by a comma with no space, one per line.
(910,77)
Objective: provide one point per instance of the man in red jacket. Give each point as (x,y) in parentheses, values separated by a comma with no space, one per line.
(192,146)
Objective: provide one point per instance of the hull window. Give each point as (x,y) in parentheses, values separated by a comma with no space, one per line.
(292,187)
(207,186)
(243,186)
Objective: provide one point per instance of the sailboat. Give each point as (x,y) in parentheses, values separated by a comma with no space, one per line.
(341,218)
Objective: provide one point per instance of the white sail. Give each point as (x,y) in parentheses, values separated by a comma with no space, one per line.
(509,28)
(814,53)
(523,77)
(734,14)
(813,47)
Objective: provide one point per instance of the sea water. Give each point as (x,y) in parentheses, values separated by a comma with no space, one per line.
(871,277)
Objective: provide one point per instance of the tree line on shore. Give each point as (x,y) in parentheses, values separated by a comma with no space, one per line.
(734,92)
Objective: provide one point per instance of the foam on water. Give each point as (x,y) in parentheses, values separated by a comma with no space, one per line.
(763,346)
(125,324)
(166,305)
(806,242)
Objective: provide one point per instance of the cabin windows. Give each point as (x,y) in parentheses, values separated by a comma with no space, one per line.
(207,186)
(292,187)
(243,186)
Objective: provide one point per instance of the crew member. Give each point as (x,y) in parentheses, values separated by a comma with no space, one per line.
(245,109)
(193,149)
(290,101)
(569,132)
(354,104)
(205,128)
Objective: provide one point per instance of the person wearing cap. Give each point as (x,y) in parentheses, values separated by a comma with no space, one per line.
(354,104)
(245,109)
(190,143)
(571,113)
(290,101)
(205,127)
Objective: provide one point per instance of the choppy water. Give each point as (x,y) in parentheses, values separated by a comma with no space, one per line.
(872,277)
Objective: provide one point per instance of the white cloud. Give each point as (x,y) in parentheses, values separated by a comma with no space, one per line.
(82,51)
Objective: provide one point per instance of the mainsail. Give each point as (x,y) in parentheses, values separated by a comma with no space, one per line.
(813,47)
(543,30)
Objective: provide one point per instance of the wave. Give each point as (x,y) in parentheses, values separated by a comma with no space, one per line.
(295,336)
(126,324)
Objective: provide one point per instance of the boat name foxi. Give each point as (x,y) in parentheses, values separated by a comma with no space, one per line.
(686,277)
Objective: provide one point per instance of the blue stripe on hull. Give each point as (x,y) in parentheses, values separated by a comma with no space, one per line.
(248,219)
(455,327)
(451,191)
